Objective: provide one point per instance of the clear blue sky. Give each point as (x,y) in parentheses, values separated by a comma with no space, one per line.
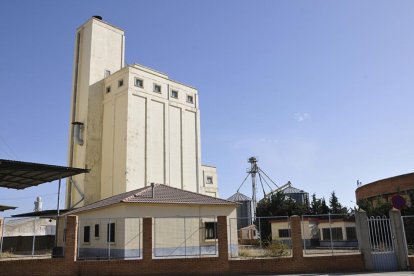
(320,91)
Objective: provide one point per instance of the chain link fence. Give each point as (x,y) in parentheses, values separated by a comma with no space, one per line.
(408,222)
(109,238)
(180,237)
(329,234)
(260,237)
(31,237)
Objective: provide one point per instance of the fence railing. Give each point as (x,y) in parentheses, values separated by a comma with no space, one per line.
(408,222)
(329,234)
(31,237)
(180,237)
(260,237)
(109,238)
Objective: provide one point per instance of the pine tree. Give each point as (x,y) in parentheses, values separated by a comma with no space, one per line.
(334,205)
(324,208)
(315,207)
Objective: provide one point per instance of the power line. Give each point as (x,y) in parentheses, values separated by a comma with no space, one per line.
(9,147)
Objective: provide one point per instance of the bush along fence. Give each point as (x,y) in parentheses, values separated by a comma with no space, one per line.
(379,242)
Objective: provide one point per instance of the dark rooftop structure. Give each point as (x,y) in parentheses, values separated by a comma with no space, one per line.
(158,194)
(20,175)
(5,208)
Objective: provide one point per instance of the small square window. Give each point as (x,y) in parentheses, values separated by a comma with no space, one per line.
(210,230)
(157,88)
(209,180)
(108,89)
(139,83)
(190,99)
(86,234)
(96,230)
(284,233)
(120,83)
(107,73)
(174,94)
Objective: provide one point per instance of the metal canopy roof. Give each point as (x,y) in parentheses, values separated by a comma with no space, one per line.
(20,175)
(44,213)
(5,208)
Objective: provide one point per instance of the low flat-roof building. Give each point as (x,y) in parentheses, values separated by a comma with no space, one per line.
(184,223)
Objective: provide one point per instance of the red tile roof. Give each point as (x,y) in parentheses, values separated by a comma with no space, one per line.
(160,194)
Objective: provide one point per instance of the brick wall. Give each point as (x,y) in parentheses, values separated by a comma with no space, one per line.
(190,266)
(386,186)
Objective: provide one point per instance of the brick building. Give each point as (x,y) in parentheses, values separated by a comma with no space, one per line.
(402,185)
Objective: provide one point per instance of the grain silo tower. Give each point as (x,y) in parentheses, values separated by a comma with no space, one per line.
(244,210)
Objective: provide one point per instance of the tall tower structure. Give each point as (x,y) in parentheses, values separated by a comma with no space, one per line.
(130,125)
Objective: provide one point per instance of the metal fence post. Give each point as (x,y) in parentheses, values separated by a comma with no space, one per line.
(260,233)
(185,239)
(34,236)
(330,232)
(109,238)
(2,234)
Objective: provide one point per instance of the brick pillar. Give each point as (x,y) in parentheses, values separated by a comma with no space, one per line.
(147,239)
(71,240)
(296,235)
(222,238)
(400,244)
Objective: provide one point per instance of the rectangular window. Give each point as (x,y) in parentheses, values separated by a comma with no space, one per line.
(284,233)
(120,83)
(110,232)
(190,99)
(96,230)
(139,83)
(108,89)
(107,73)
(174,94)
(336,234)
(209,180)
(157,88)
(211,230)
(86,234)
(351,233)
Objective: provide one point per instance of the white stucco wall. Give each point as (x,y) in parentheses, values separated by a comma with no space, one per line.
(209,188)
(169,228)
(132,136)
(98,47)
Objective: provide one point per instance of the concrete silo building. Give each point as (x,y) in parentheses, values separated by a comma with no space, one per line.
(130,125)
(244,209)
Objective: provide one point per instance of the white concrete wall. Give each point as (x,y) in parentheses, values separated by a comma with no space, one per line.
(168,225)
(209,188)
(133,136)
(29,226)
(98,47)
